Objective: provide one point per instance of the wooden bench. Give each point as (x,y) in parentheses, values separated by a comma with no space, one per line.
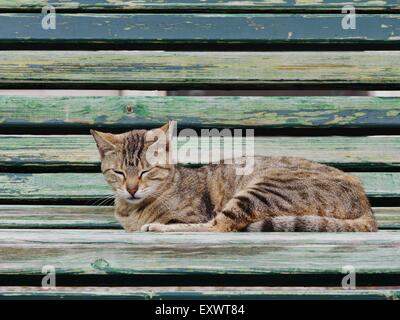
(51,191)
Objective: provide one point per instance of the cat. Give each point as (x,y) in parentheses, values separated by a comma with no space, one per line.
(281,194)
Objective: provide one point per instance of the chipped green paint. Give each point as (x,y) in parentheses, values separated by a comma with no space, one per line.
(144,112)
(88,186)
(198,5)
(204,28)
(393,113)
(73,252)
(75,152)
(58,217)
(162,70)
(94,217)
(53,186)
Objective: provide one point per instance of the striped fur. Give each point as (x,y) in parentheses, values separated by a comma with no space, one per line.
(282,193)
(312,224)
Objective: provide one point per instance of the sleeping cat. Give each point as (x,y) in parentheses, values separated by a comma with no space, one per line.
(281,194)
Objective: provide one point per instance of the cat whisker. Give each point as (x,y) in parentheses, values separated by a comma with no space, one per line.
(102,201)
(106,202)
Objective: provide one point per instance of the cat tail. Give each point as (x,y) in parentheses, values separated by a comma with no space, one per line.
(365,223)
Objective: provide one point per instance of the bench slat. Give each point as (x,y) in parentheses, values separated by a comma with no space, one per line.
(75,152)
(194,112)
(80,153)
(211,28)
(207,6)
(68,217)
(94,217)
(313,257)
(172,70)
(226,293)
(88,186)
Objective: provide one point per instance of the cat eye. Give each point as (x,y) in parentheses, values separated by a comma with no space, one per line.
(119,172)
(143,172)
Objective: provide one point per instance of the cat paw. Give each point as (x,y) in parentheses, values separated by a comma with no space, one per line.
(153,227)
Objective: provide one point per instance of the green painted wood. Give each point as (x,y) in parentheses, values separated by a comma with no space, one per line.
(195,112)
(198,28)
(113,252)
(162,70)
(388,218)
(203,293)
(59,217)
(95,217)
(174,5)
(77,186)
(75,152)
(87,186)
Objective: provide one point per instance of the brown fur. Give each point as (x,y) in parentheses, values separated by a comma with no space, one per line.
(282,193)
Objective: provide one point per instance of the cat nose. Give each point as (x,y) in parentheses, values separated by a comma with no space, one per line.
(132,190)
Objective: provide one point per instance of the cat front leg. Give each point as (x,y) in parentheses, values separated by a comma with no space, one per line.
(176,227)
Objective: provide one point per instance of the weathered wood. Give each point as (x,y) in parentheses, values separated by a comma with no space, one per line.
(95,217)
(388,218)
(75,152)
(113,252)
(167,293)
(197,28)
(207,6)
(87,186)
(194,112)
(64,217)
(77,186)
(162,70)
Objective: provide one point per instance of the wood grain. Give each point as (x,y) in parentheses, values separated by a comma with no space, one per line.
(95,217)
(90,186)
(199,112)
(210,5)
(79,153)
(172,70)
(198,28)
(69,217)
(226,293)
(111,252)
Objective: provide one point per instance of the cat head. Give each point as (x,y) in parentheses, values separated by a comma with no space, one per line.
(136,164)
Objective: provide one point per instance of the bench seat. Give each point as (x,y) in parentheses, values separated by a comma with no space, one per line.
(92,257)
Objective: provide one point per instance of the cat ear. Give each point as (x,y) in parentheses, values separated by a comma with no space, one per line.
(159,143)
(169,130)
(165,127)
(161,135)
(106,142)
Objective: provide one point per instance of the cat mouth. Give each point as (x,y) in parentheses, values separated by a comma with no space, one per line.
(133,199)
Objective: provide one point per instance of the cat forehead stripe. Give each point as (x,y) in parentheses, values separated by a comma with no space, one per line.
(134,143)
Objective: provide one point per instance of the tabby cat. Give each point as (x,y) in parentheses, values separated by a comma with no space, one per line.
(281,194)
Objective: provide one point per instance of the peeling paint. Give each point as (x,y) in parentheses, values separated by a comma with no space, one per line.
(226,5)
(135,69)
